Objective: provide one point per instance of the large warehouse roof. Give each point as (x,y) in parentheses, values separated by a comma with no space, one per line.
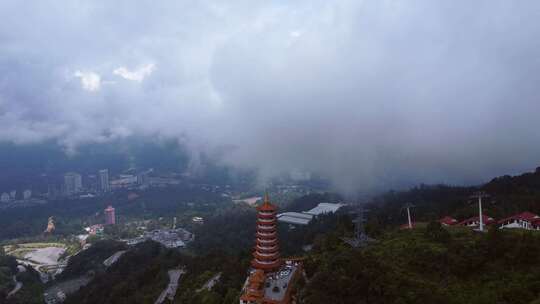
(295,218)
(323,208)
(303,218)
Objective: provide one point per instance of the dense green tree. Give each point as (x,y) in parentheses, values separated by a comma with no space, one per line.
(436,232)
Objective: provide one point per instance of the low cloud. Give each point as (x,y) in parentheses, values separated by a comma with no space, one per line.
(138,74)
(90,81)
(372,94)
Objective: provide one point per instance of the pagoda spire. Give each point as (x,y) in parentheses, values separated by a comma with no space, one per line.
(266,198)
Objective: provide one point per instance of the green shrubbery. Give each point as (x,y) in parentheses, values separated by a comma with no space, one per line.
(429,265)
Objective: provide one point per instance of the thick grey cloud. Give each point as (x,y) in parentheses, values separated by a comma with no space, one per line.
(372,94)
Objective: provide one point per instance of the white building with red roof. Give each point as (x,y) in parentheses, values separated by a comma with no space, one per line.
(475,221)
(525,220)
(448,221)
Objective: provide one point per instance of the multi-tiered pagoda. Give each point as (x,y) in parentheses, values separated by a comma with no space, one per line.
(271,279)
(266,254)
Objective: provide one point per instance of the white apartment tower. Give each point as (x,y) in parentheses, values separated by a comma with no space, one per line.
(72,183)
(27,194)
(104,180)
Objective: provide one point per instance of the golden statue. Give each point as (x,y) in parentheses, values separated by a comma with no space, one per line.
(50,225)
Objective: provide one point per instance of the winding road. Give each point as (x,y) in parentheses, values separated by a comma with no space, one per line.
(170,291)
(18,286)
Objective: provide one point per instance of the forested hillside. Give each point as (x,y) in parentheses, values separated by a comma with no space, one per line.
(140,275)
(427,265)
(32,291)
(507,195)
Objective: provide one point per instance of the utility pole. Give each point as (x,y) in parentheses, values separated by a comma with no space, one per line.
(479,195)
(408,206)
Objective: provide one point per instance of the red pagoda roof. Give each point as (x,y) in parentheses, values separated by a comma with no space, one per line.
(266,205)
(266,266)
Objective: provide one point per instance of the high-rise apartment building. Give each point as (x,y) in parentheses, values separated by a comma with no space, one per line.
(110,216)
(27,194)
(72,183)
(103,181)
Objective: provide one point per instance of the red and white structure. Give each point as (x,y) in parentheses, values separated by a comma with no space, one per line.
(475,221)
(110,216)
(266,253)
(94,229)
(525,220)
(448,221)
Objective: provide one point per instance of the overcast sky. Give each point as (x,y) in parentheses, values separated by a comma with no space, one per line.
(372,94)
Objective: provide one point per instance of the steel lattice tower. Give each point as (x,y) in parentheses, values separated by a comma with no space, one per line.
(360,239)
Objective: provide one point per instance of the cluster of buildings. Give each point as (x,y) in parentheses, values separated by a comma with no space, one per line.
(125,181)
(271,278)
(97,229)
(143,180)
(303,218)
(74,184)
(14,198)
(524,220)
(170,238)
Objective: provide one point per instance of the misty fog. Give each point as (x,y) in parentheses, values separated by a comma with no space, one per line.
(371,94)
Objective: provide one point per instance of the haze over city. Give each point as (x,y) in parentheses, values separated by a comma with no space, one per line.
(368,93)
(269,152)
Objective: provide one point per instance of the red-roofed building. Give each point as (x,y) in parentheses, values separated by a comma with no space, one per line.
(475,221)
(94,229)
(525,220)
(448,221)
